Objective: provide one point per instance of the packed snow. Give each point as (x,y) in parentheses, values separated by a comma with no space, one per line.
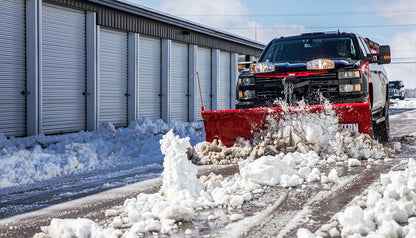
(290,152)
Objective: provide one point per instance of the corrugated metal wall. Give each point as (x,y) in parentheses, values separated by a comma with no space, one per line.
(128,21)
(63,80)
(224,94)
(179,81)
(113,77)
(149,104)
(62,76)
(12,68)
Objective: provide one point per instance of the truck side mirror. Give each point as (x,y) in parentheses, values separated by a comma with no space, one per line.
(384,56)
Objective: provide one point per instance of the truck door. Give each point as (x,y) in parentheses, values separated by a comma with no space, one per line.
(375,81)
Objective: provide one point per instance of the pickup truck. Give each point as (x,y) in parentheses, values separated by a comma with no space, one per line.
(396,89)
(344,68)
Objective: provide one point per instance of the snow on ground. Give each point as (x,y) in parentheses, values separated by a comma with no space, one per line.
(36,158)
(290,153)
(406,103)
(386,209)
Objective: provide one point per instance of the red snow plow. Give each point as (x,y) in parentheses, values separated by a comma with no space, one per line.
(339,67)
(227,125)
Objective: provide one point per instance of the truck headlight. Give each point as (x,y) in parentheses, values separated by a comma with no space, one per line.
(349,74)
(247,94)
(347,88)
(320,64)
(263,67)
(246,81)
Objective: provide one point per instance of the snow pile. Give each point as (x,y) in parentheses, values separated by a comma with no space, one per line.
(181,194)
(387,209)
(37,158)
(301,132)
(176,168)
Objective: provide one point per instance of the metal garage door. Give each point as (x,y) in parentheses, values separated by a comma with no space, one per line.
(63,70)
(113,77)
(224,93)
(12,68)
(149,104)
(204,71)
(179,82)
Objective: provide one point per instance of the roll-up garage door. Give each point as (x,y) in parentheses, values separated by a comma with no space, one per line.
(63,70)
(179,82)
(113,77)
(224,94)
(204,71)
(12,68)
(149,78)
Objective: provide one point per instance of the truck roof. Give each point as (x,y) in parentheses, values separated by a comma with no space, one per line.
(329,33)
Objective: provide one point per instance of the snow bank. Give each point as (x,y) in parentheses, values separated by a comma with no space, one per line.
(407,103)
(37,158)
(181,194)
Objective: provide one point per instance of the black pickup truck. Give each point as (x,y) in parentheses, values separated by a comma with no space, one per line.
(341,67)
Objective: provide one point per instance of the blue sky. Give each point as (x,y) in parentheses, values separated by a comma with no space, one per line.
(386,22)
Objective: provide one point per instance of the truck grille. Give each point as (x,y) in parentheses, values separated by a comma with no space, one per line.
(295,88)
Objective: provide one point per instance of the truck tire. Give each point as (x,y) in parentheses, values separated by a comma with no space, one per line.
(381,130)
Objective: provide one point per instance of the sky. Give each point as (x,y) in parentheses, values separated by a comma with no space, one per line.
(383,21)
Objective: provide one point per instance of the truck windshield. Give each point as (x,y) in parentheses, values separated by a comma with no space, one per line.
(394,84)
(300,50)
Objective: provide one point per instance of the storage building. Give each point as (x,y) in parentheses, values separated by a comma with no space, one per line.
(69,65)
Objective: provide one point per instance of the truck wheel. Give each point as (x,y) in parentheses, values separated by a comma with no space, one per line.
(381,130)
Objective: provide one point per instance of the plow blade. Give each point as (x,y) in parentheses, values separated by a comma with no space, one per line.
(227,125)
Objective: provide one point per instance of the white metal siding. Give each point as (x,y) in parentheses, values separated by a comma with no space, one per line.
(205,77)
(63,80)
(224,93)
(179,82)
(113,77)
(149,104)
(12,68)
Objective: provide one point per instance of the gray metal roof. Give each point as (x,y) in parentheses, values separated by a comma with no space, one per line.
(153,14)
